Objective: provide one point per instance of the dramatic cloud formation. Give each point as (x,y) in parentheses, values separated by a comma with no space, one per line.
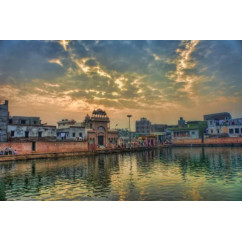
(161,80)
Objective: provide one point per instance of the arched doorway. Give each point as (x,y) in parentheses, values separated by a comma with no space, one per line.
(100,139)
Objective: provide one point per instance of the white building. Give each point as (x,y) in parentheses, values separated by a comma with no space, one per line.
(215,121)
(23,128)
(184,133)
(70,130)
(223,124)
(31,132)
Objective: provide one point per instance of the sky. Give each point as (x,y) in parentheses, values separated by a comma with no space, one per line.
(159,80)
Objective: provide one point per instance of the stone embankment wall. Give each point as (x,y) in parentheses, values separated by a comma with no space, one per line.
(45,147)
(209,141)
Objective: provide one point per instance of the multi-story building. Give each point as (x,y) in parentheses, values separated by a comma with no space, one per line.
(70,130)
(30,128)
(233,127)
(143,126)
(4,116)
(227,128)
(23,128)
(215,120)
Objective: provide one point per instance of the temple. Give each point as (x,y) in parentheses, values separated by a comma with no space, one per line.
(98,129)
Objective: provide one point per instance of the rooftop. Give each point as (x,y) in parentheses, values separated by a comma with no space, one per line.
(218,116)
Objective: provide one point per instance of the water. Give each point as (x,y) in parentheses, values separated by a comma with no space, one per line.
(213,174)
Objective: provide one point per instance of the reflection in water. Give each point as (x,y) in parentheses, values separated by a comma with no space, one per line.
(162,174)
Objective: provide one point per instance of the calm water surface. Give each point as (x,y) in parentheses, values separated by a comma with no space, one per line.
(162,174)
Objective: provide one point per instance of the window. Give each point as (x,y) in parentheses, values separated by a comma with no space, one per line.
(40,134)
(241,130)
(12,133)
(211,122)
(10,121)
(231,131)
(218,131)
(35,122)
(211,131)
(236,130)
(80,135)
(26,134)
(193,132)
(23,121)
(73,135)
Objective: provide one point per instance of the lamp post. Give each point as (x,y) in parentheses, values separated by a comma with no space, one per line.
(129,116)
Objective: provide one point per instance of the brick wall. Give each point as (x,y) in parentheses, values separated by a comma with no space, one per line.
(45,147)
(186,141)
(227,140)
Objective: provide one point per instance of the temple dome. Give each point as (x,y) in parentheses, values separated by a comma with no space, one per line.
(99,112)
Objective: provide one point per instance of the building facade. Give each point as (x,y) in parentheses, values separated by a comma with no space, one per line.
(22,128)
(181,122)
(143,126)
(185,133)
(16,120)
(222,124)
(215,122)
(225,128)
(65,123)
(70,130)
(233,127)
(189,130)
(4,116)
(98,129)
(155,128)
(25,132)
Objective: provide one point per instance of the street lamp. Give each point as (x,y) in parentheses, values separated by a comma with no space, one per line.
(129,116)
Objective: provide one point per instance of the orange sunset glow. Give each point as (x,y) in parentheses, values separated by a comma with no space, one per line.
(160,80)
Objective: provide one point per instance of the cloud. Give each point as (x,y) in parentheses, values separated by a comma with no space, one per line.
(148,78)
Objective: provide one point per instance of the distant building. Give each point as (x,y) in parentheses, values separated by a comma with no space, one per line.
(185,133)
(217,116)
(158,128)
(225,128)
(24,120)
(30,128)
(23,128)
(215,120)
(190,130)
(233,127)
(4,116)
(143,126)
(65,123)
(181,122)
(98,129)
(70,130)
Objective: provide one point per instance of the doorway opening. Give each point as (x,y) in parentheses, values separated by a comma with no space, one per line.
(100,140)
